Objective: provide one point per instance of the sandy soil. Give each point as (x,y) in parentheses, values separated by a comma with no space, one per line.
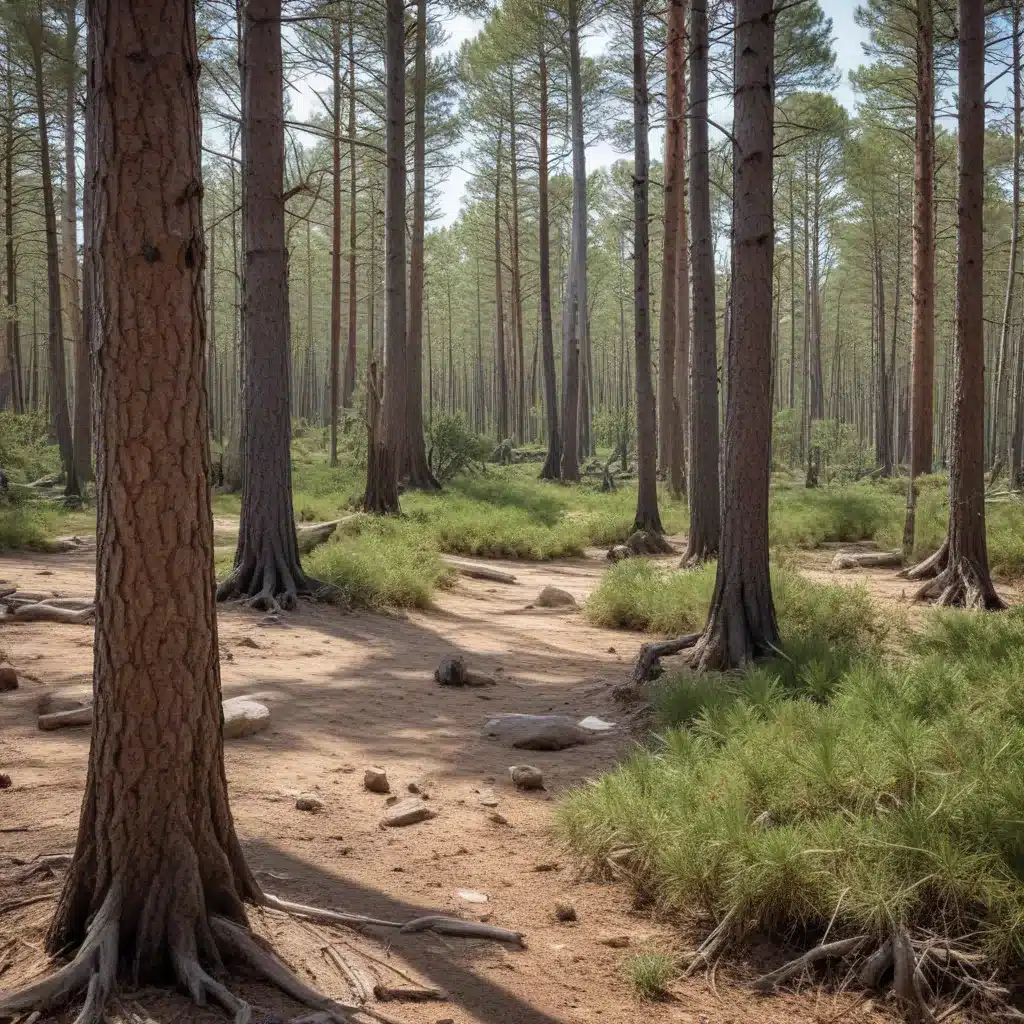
(348,691)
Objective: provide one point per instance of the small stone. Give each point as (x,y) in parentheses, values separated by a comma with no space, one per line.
(413,787)
(247,641)
(537,732)
(488,799)
(525,776)
(391,801)
(309,802)
(618,553)
(614,941)
(498,819)
(469,896)
(451,672)
(8,678)
(565,912)
(554,597)
(376,780)
(244,716)
(547,866)
(5,781)
(611,650)
(408,812)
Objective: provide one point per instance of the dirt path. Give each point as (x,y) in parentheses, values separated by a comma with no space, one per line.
(348,691)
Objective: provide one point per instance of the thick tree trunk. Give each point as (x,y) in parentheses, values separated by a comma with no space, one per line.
(647,518)
(575,310)
(413,465)
(335,230)
(58,374)
(922,330)
(382,462)
(741,624)
(499,306)
(157,853)
(703,426)
(551,468)
(349,385)
(13,367)
(963,578)
(267,570)
(681,362)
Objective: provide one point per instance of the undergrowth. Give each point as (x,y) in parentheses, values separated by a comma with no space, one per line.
(889,796)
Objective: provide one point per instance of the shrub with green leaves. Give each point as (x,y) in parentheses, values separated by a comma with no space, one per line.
(27,448)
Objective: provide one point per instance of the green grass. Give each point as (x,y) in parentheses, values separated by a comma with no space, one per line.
(377,564)
(892,797)
(27,526)
(649,974)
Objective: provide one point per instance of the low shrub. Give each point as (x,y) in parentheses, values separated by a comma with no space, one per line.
(650,973)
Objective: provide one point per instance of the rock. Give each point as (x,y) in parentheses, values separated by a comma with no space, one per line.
(498,819)
(488,799)
(244,716)
(553,597)
(548,865)
(309,802)
(470,896)
(618,552)
(565,912)
(408,812)
(614,941)
(247,641)
(525,776)
(376,780)
(8,679)
(451,672)
(537,732)
(5,781)
(595,724)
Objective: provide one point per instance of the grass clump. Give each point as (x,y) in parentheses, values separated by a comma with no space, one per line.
(894,800)
(649,974)
(26,525)
(803,518)
(378,564)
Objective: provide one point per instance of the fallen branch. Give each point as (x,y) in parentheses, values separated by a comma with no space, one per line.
(843,947)
(867,560)
(387,994)
(310,537)
(65,719)
(48,613)
(479,572)
(648,662)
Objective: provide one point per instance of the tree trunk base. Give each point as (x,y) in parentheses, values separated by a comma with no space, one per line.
(550,470)
(962,584)
(381,497)
(930,567)
(267,584)
(648,664)
(648,542)
(698,551)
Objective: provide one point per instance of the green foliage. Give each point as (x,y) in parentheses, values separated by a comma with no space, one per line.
(807,518)
(453,448)
(894,797)
(26,525)
(378,563)
(27,449)
(650,973)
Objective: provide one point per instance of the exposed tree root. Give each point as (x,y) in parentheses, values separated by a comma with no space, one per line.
(930,567)
(867,560)
(907,981)
(962,585)
(648,663)
(843,947)
(696,555)
(874,967)
(40,612)
(272,587)
(201,986)
(648,542)
(711,945)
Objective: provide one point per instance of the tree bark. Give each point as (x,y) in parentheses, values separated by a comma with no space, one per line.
(58,376)
(963,578)
(1015,437)
(703,489)
(741,625)
(517,282)
(267,571)
(382,459)
(551,468)
(413,460)
(349,384)
(157,852)
(499,305)
(648,519)
(335,230)
(13,334)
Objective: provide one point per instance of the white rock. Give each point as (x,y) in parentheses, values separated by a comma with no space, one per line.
(244,716)
(537,732)
(471,897)
(410,811)
(595,724)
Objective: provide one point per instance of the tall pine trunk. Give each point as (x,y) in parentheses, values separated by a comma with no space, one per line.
(13,339)
(499,305)
(1015,438)
(335,230)
(349,385)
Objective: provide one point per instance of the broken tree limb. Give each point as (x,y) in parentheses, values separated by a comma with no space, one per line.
(65,719)
(310,537)
(387,994)
(867,560)
(843,947)
(40,612)
(648,662)
(479,572)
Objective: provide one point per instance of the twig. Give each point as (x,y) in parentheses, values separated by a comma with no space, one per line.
(843,947)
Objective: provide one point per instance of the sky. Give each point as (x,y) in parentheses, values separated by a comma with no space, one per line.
(848,40)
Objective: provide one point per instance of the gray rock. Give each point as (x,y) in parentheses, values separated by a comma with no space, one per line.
(451,672)
(525,776)
(537,732)
(376,780)
(408,812)
(244,716)
(51,703)
(309,802)
(487,798)
(618,553)
(553,597)
(8,678)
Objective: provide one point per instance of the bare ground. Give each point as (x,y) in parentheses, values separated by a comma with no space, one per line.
(349,691)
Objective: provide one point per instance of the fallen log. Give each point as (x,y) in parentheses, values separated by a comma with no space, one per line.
(65,719)
(867,560)
(40,612)
(310,537)
(479,572)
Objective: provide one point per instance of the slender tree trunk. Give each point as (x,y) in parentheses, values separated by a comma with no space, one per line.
(349,385)
(144,884)
(816,409)
(58,375)
(741,624)
(335,229)
(517,283)
(13,332)
(266,571)
(1015,437)
(648,519)
(960,567)
(499,306)
(385,448)
(792,294)
(703,487)
(413,465)
(575,310)
(551,468)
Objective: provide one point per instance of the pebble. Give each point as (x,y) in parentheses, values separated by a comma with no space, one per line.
(525,776)
(498,819)
(614,941)
(470,896)
(554,597)
(309,802)
(488,799)
(5,781)
(376,780)
(8,678)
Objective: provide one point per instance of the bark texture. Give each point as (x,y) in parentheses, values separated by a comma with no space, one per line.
(703,490)
(963,578)
(157,852)
(13,368)
(335,368)
(267,571)
(349,384)
(550,469)
(741,624)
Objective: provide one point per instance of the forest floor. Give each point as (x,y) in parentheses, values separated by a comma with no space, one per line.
(347,691)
